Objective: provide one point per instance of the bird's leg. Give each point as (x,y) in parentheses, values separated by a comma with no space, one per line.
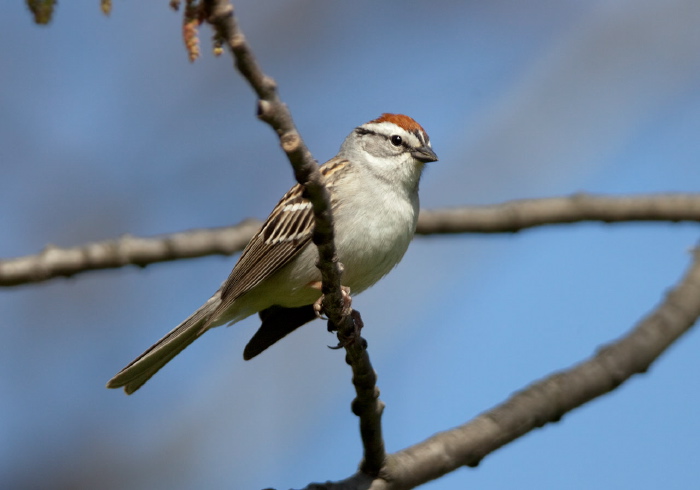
(346,339)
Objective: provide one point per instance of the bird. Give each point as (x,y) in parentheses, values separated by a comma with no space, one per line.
(373,186)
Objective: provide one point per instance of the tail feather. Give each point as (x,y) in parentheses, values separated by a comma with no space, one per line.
(140,370)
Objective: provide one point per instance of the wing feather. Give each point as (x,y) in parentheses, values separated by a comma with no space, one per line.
(284,234)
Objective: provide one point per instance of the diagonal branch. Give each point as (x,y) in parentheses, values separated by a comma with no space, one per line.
(548,400)
(367,406)
(545,401)
(511,216)
(271,109)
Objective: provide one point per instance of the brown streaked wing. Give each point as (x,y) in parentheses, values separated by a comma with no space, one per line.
(284,234)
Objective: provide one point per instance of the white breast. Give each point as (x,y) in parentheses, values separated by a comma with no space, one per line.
(374,242)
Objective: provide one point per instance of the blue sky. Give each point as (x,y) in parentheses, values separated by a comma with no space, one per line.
(106,129)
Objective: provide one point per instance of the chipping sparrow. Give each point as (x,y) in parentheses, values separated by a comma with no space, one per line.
(373,183)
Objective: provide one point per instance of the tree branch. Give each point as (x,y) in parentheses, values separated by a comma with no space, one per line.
(127,250)
(518,215)
(511,216)
(541,403)
(545,401)
(367,406)
(271,109)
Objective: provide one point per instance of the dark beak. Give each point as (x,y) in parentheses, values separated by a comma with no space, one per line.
(424,154)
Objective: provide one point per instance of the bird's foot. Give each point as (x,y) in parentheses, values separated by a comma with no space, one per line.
(347,303)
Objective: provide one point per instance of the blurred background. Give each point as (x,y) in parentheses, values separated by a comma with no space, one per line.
(106,128)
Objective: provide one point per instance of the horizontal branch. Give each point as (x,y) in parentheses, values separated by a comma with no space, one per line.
(545,401)
(513,216)
(508,217)
(55,261)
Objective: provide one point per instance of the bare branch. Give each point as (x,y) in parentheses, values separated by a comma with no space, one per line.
(518,215)
(271,109)
(366,405)
(508,217)
(547,400)
(126,250)
(219,13)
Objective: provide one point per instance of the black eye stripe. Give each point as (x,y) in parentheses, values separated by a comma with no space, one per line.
(404,144)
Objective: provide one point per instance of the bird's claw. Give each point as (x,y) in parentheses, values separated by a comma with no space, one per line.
(347,303)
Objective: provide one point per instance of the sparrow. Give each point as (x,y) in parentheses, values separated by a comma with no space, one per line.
(373,186)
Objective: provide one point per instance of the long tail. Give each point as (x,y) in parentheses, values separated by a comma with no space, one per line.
(134,375)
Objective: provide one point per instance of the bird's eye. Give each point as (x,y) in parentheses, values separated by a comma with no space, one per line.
(396,140)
